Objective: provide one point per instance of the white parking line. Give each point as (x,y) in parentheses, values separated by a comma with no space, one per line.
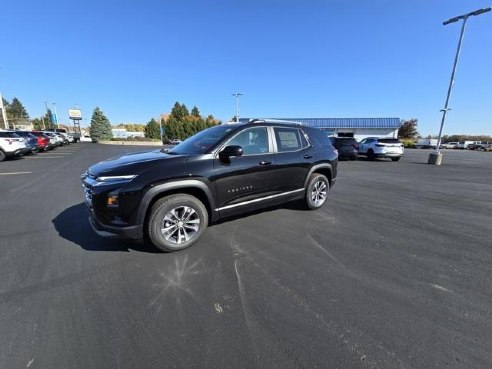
(13,173)
(43,157)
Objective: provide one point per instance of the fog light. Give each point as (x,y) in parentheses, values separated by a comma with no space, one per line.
(112,200)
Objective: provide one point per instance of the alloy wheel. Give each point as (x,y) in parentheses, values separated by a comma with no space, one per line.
(180,224)
(319,193)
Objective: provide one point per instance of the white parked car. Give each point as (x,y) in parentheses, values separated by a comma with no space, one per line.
(85,138)
(11,144)
(54,138)
(450,145)
(377,147)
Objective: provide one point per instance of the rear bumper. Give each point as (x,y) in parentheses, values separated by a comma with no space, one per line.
(388,155)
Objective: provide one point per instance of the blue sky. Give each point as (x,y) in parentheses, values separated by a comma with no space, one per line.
(290,58)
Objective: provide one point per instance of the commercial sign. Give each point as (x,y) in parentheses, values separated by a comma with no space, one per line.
(75,114)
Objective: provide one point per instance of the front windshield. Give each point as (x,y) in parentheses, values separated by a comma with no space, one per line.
(202,141)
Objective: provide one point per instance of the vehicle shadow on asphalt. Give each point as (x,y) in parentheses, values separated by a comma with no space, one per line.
(296,205)
(73,225)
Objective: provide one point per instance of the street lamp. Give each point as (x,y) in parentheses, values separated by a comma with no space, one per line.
(237,94)
(436,157)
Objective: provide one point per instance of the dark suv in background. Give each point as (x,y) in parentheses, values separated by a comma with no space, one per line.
(169,197)
(347,147)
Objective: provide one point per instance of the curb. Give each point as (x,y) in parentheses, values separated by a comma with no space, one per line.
(131,143)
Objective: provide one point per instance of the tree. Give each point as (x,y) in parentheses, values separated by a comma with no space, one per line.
(43,122)
(152,129)
(179,111)
(408,129)
(16,110)
(100,126)
(195,112)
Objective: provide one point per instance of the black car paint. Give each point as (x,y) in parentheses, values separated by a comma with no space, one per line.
(226,187)
(346,146)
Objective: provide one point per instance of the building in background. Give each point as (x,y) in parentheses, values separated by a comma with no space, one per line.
(123,133)
(359,128)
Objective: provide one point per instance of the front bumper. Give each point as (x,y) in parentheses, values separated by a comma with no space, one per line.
(17,152)
(131,232)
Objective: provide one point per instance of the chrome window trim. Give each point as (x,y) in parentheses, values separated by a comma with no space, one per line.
(270,151)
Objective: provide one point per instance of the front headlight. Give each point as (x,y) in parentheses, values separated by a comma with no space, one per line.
(110,179)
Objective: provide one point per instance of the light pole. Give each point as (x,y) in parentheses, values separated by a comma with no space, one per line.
(237,94)
(436,156)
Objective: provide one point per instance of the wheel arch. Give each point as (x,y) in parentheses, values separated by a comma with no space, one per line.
(194,188)
(324,169)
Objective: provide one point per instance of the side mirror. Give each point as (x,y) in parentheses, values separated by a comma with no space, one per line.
(229,151)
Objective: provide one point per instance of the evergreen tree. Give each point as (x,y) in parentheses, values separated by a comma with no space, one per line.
(195,112)
(100,126)
(178,112)
(43,122)
(152,129)
(184,110)
(16,110)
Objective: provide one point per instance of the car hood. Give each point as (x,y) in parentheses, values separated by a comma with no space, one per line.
(133,163)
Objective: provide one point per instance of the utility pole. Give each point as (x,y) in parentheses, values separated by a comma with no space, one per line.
(435,157)
(237,94)
(4,113)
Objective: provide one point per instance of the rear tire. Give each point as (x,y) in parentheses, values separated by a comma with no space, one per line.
(370,155)
(396,159)
(176,222)
(317,191)
(2,155)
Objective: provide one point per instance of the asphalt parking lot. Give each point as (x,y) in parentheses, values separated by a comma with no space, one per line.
(393,272)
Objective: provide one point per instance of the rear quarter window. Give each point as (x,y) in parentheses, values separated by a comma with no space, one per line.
(318,137)
(289,139)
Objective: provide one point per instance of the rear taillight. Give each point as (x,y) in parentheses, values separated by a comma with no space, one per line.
(380,145)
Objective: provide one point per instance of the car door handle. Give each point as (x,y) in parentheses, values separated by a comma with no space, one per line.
(307,156)
(263,162)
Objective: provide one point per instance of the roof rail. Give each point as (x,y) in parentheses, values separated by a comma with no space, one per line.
(275,121)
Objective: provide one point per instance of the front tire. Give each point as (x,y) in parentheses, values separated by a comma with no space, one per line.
(176,222)
(396,159)
(370,155)
(2,156)
(317,191)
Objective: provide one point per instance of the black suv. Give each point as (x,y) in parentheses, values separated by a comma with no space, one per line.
(169,197)
(347,147)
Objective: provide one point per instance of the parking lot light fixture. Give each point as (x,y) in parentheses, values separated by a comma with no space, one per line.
(436,156)
(237,94)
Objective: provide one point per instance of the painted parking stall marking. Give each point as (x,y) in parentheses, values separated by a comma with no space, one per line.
(14,173)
